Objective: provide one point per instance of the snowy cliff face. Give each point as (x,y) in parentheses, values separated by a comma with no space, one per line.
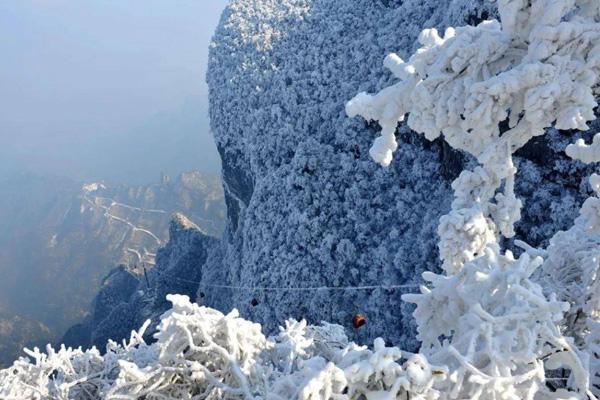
(307,206)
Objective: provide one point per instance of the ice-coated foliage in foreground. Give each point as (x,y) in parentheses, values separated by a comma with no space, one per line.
(499,332)
(499,350)
(200,353)
(488,90)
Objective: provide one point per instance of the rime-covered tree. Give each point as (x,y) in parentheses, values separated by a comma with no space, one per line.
(488,90)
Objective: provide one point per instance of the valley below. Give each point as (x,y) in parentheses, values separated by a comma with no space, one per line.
(62,237)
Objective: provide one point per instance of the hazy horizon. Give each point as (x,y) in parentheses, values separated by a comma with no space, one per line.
(106,90)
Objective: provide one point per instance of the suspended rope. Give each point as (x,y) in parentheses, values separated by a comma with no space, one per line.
(358,320)
(301,289)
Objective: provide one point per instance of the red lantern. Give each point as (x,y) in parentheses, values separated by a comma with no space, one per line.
(358,320)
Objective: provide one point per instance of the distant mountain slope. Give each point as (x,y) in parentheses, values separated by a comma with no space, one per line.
(124,302)
(60,238)
(17,332)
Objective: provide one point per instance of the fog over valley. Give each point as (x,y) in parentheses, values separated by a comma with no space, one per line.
(104,134)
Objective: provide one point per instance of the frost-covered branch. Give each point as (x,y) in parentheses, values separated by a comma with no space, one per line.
(488,90)
(490,324)
(539,68)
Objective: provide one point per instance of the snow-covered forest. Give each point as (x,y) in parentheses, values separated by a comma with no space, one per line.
(498,318)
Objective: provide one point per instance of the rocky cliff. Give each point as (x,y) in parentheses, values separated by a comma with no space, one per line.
(306,205)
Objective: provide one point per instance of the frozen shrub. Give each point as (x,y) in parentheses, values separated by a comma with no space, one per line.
(201,353)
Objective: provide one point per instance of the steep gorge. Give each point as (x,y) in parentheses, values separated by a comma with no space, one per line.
(62,237)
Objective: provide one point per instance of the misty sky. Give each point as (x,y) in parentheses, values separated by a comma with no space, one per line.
(106,89)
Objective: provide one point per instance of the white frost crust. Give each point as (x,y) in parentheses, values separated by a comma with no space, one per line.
(539,68)
(495,331)
(583,152)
